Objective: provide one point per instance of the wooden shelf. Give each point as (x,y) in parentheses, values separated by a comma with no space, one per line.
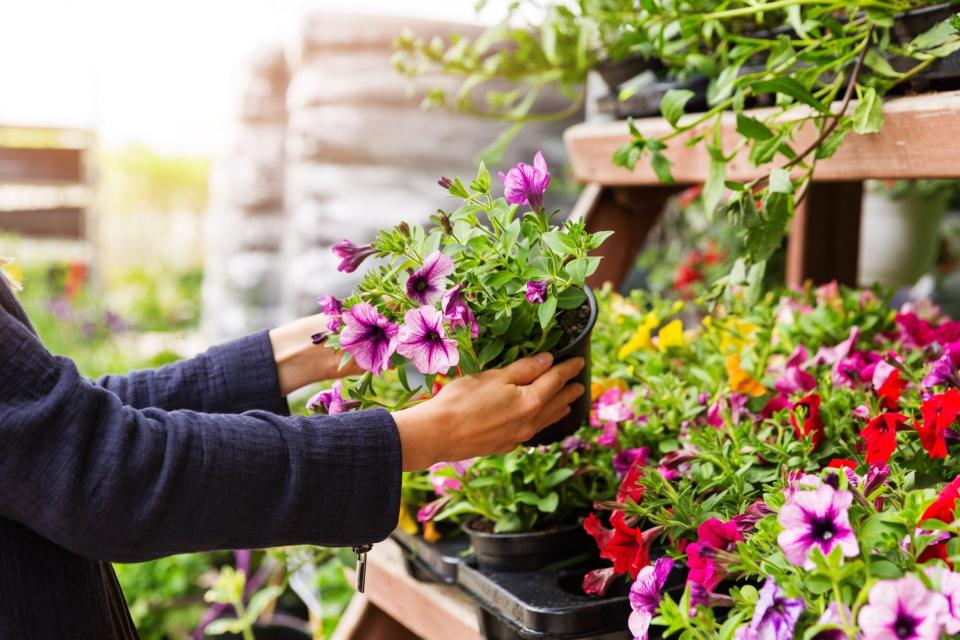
(918,141)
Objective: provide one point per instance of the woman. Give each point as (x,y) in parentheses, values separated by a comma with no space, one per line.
(204,455)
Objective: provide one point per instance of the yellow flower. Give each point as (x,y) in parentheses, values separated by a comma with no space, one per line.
(407,522)
(736,335)
(11,273)
(671,335)
(430,533)
(641,337)
(741,381)
(598,387)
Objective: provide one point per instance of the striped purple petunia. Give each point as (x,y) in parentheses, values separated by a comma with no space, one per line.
(424,341)
(774,615)
(526,183)
(425,285)
(902,608)
(817,518)
(645,596)
(351,255)
(369,337)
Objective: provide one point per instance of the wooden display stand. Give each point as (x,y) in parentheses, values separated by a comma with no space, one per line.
(917,141)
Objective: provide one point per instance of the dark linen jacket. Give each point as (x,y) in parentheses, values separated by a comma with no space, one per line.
(194,456)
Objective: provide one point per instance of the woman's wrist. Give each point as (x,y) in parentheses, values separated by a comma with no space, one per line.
(418,429)
(299,361)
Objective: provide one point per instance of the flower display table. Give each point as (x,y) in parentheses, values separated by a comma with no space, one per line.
(429,610)
(824,235)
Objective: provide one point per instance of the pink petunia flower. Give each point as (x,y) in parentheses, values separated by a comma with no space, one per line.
(817,518)
(794,378)
(948,585)
(424,341)
(424,286)
(351,255)
(369,337)
(902,608)
(331,400)
(457,312)
(536,291)
(525,183)
(645,596)
(333,309)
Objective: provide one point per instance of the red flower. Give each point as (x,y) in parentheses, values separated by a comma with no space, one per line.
(881,436)
(688,195)
(687,274)
(812,422)
(939,412)
(945,505)
(889,392)
(596,582)
(597,531)
(627,547)
(842,463)
(629,486)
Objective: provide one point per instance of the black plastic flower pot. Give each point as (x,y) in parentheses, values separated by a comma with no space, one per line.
(578,348)
(616,72)
(431,561)
(942,74)
(529,551)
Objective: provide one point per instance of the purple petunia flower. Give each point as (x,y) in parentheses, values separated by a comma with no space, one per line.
(351,255)
(902,608)
(369,337)
(423,340)
(424,285)
(457,312)
(876,476)
(645,596)
(774,615)
(526,183)
(573,443)
(627,458)
(949,587)
(536,291)
(331,400)
(834,615)
(333,309)
(817,518)
(794,378)
(944,370)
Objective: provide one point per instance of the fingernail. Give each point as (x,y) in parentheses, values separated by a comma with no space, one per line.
(543,359)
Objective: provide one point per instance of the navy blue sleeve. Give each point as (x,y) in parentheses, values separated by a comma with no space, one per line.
(230,378)
(116,483)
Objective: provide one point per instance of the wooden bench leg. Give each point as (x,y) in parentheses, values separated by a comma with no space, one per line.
(824,237)
(363,620)
(630,212)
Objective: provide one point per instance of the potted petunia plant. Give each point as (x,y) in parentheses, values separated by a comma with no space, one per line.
(495,279)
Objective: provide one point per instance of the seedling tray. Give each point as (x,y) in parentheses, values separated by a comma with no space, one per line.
(431,561)
(544,604)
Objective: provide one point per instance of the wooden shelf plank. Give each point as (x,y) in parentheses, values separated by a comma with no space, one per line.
(432,611)
(918,141)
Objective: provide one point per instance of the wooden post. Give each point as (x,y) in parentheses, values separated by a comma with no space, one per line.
(824,237)
(630,212)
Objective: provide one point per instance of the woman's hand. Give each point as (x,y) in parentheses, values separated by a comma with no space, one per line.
(299,361)
(488,413)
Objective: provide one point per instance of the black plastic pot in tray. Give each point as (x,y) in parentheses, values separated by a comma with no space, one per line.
(431,561)
(645,103)
(543,604)
(579,408)
(531,550)
(942,74)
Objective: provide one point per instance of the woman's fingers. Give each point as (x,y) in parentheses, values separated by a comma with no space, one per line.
(550,383)
(526,370)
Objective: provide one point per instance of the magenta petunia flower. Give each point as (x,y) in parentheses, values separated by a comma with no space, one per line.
(536,291)
(333,309)
(369,337)
(351,255)
(331,400)
(876,477)
(817,518)
(902,608)
(627,458)
(944,370)
(794,378)
(774,616)
(425,285)
(645,596)
(526,183)
(423,340)
(457,312)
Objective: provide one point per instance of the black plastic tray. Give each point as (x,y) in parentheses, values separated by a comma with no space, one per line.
(429,561)
(544,604)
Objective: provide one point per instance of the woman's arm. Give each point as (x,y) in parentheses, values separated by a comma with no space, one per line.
(116,483)
(254,372)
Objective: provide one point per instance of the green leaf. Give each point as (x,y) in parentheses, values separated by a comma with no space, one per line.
(780,181)
(885,569)
(508,523)
(722,88)
(557,476)
(673,102)
(549,503)
(571,298)
(261,600)
(876,61)
(402,376)
(482,182)
(223,626)
(833,142)
(577,270)
(752,128)
(493,153)
(490,351)
(559,243)
(868,116)
(546,311)
(936,36)
(790,87)
(764,237)
(661,166)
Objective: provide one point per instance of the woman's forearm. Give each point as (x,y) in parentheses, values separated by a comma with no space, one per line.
(301,362)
